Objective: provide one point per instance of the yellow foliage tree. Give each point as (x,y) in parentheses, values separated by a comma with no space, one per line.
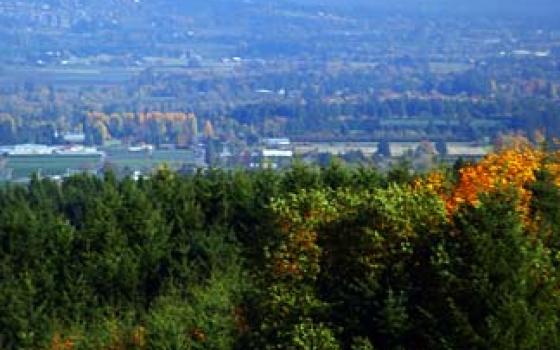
(208,130)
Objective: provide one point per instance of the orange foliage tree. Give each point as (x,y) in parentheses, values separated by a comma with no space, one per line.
(514,166)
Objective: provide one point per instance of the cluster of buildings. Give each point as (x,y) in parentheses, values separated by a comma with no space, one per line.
(277,153)
(20,161)
(44,150)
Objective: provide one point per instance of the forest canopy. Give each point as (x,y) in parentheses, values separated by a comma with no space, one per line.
(307,258)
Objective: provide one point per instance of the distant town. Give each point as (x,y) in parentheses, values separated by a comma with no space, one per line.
(71,155)
(97,85)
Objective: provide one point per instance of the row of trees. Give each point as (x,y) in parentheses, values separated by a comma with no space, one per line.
(309,258)
(419,117)
(155,128)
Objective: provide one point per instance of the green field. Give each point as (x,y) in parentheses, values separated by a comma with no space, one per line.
(48,165)
(119,158)
(449,67)
(146,161)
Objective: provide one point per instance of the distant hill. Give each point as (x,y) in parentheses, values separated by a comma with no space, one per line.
(491,7)
(549,8)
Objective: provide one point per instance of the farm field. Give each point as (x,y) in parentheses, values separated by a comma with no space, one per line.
(86,75)
(122,159)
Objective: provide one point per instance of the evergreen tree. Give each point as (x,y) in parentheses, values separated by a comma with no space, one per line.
(496,286)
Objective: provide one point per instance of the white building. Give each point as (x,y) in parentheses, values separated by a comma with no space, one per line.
(278,143)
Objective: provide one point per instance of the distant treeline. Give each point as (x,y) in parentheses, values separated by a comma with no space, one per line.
(449,118)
